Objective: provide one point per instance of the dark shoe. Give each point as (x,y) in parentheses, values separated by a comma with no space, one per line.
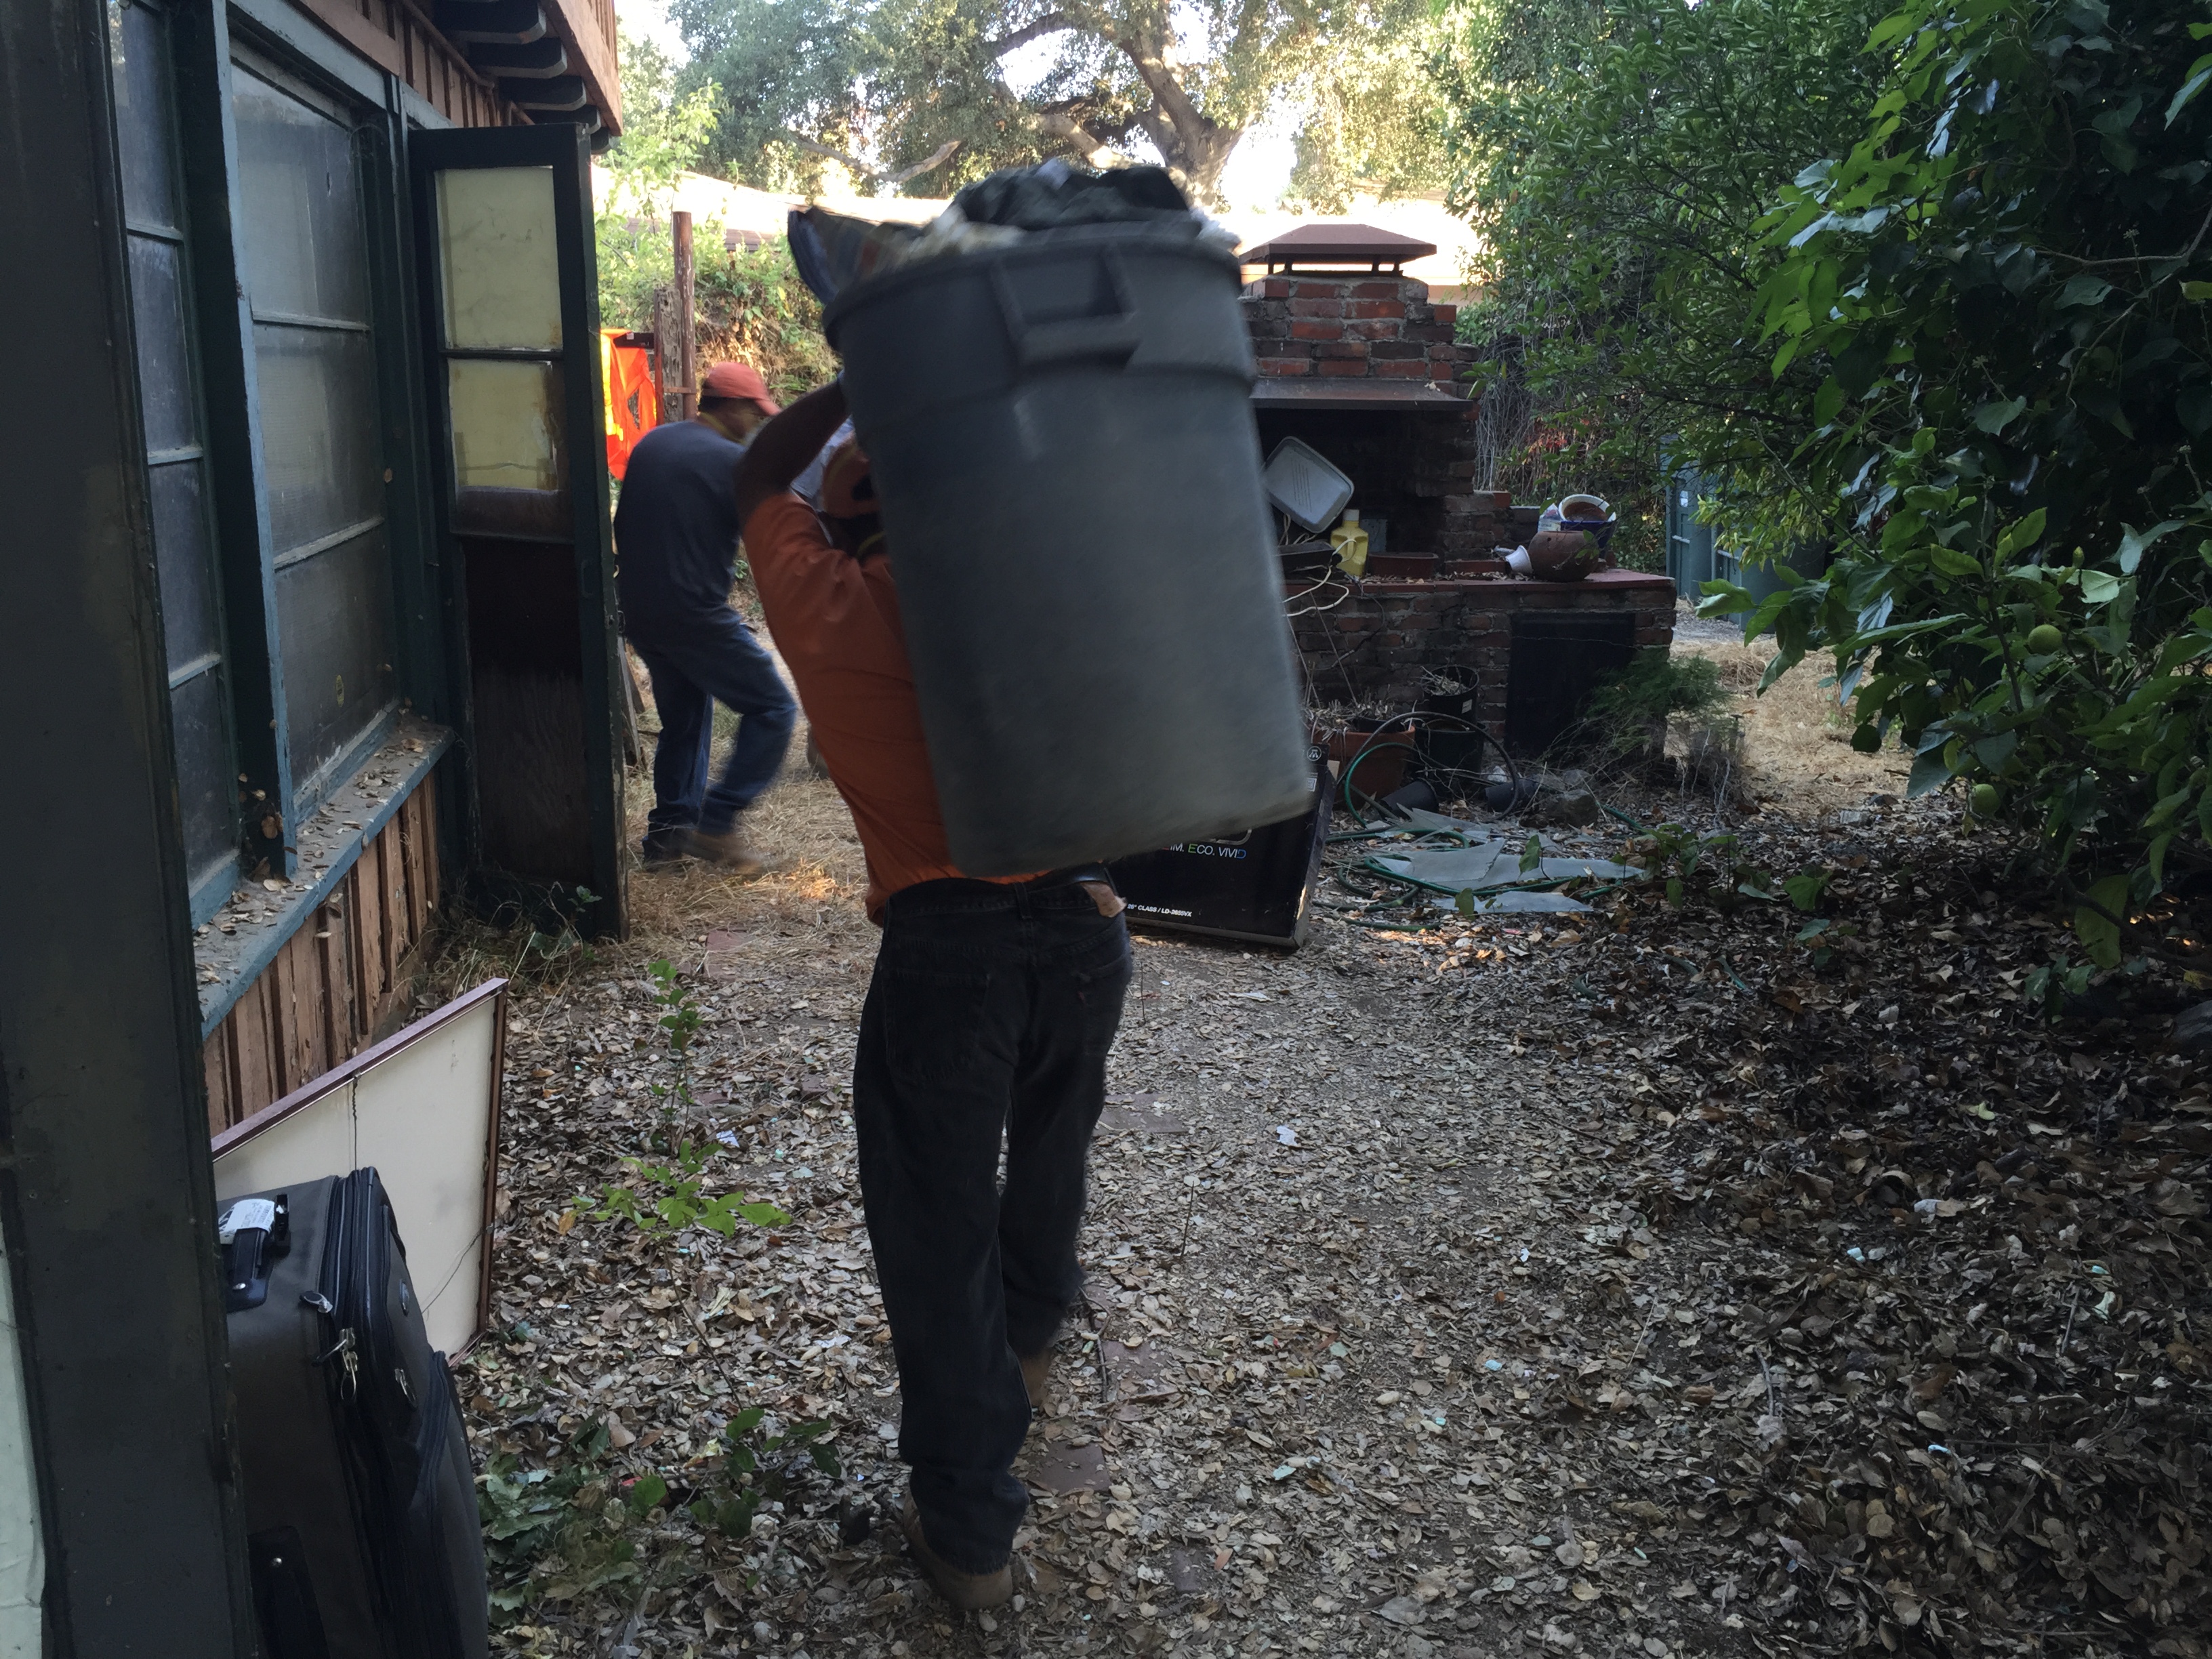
(730,850)
(1037,1370)
(664,849)
(970,1592)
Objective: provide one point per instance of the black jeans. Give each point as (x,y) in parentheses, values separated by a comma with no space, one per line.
(990,1014)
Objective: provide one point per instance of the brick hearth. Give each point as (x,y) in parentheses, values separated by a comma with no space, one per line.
(1367,371)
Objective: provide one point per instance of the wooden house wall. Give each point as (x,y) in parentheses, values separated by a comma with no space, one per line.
(397,36)
(336,983)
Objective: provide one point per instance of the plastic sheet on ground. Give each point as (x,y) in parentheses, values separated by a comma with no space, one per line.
(1519,901)
(1495,864)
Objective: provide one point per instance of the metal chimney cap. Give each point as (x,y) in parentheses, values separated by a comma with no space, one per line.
(1337,244)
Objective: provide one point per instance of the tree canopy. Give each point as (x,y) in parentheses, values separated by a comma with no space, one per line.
(2002,287)
(923,93)
(1618,157)
(1931,293)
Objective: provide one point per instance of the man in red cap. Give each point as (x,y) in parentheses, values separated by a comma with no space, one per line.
(676,536)
(989,1017)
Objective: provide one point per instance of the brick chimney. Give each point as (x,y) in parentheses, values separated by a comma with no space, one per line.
(1337,339)
(1362,327)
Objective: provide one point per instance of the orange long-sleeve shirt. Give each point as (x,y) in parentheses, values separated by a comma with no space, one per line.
(836,621)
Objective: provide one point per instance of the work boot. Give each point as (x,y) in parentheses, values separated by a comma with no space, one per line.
(1037,1370)
(664,850)
(970,1592)
(729,851)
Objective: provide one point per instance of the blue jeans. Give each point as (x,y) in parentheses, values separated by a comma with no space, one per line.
(990,1014)
(695,662)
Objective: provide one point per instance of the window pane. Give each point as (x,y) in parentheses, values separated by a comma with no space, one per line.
(165,373)
(509,464)
(141,118)
(498,260)
(320,444)
(205,786)
(181,549)
(304,253)
(334,619)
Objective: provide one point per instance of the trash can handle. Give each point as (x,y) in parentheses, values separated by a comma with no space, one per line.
(1114,337)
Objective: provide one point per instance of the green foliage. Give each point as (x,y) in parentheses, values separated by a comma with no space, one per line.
(1819,935)
(1992,287)
(1676,855)
(681,1201)
(751,304)
(678,1016)
(2047,988)
(663,134)
(680,1204)
(664,130)
(551,1533)
(761,1467)
(1372,127)
(753,307)
(560,1533)
(1630,711)
(916,93)
(1617,159)
(1808,887)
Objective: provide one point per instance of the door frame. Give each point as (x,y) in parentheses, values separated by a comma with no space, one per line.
(564,148)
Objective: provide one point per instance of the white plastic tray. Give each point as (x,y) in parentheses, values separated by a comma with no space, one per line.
(1304,483)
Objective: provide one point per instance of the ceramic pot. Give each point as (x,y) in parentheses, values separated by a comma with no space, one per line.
(1564,556)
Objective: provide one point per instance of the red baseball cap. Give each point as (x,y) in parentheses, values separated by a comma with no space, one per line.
(741,381)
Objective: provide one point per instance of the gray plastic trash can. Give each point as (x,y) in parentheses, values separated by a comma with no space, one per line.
(1060,434)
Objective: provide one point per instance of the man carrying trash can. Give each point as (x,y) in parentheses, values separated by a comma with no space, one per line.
(675,533)
(990,1013)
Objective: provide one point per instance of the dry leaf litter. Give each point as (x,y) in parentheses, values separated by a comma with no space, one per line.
(1616,1284)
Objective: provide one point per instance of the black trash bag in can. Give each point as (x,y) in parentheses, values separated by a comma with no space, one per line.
(1060,429)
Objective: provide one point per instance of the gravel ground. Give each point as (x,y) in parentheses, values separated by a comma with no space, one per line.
(1392,1346)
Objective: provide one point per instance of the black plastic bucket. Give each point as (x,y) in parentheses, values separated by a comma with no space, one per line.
(1060,434)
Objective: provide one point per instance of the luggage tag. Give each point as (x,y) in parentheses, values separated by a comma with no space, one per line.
(253,1232)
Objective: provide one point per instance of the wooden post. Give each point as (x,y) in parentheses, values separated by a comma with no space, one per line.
(667,366)
(687,320)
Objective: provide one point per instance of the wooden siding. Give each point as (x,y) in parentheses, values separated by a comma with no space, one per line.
(337,981)
(587,29)
(397,36)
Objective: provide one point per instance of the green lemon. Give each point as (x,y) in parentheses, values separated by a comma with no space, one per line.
(1986,800)
(2043,639)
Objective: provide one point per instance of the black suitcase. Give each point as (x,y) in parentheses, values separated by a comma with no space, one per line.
(360,1500)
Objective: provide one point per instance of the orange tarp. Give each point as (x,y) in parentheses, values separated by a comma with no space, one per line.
(633,401)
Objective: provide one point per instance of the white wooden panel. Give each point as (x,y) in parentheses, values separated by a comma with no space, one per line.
(418,1108)
(423,1118)
(306,1144)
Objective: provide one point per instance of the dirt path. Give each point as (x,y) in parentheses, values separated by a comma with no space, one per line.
(1389,1354)
(1336,1269)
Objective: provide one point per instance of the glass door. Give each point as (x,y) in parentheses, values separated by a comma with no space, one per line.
(503,228)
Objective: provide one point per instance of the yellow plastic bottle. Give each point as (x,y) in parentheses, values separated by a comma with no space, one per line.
(1350,542)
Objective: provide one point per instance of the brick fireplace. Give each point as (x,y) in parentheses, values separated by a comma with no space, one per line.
(1362,366)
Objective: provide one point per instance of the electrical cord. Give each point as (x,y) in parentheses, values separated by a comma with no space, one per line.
(1412,719)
